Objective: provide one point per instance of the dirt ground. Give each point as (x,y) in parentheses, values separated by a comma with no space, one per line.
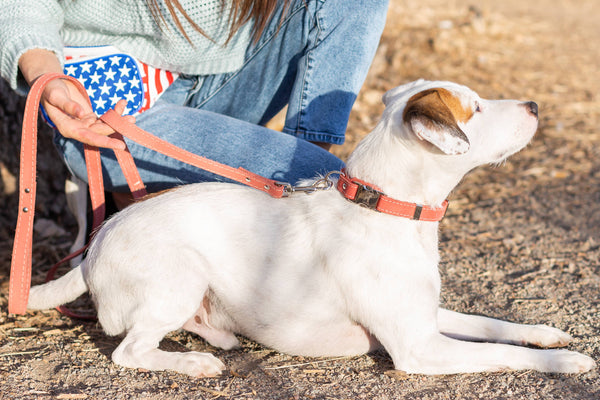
(520,241)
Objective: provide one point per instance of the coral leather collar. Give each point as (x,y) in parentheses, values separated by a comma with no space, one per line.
(369,196)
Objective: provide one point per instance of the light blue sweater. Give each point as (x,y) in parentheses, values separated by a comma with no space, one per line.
(125,24)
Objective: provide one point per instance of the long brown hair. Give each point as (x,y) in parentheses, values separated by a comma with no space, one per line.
(241,12)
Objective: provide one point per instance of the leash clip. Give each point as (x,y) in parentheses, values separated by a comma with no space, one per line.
(324,183)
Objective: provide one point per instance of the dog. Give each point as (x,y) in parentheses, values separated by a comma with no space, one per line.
(317,275)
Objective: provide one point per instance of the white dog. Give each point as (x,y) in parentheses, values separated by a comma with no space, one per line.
(317,275)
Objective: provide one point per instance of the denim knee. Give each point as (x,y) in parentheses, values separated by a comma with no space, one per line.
(330,74)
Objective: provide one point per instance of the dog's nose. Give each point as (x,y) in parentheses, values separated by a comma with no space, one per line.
(532,107)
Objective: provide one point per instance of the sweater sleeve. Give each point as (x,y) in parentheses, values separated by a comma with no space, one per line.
(25,25)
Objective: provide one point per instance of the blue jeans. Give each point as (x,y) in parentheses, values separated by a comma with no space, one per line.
(314,59)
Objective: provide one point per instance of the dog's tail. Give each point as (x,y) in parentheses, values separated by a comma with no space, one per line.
(58,292)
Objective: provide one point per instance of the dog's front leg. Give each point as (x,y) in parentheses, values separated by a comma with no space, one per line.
(410,335)
(439,354)
(478,328)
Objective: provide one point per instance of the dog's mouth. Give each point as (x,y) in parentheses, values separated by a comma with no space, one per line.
(501,157)
(522,137)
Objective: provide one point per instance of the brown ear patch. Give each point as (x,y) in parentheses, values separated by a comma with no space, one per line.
(433,115)
(440,105)
(460,112)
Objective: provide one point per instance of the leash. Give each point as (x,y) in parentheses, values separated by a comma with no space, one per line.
(119,124)
(352,189)
(20,272)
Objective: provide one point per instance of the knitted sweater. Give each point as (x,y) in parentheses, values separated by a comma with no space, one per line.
(125,24)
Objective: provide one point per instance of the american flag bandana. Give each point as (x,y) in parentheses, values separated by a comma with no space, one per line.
(109,75)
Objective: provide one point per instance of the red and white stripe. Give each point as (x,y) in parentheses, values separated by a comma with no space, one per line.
(155,82)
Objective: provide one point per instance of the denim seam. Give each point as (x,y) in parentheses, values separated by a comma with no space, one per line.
(306,76)
(257,50)
(315,136)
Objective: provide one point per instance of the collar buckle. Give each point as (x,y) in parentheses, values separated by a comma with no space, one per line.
(367,197)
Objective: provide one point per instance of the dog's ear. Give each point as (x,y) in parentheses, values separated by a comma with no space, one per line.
(432,115)
(392,94)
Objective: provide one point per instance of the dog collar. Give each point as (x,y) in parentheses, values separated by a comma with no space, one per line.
(371,197)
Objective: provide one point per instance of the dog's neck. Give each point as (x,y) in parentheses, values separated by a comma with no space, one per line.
(402,167)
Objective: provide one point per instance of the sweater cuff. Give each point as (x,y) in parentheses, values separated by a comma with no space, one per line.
(14,51)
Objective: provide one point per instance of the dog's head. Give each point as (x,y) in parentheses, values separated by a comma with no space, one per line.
(432,133)
(453,120)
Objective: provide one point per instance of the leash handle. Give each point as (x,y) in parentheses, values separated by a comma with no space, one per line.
(20,270)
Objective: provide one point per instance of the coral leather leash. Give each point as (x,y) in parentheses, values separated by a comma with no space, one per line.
(115,121)
(20,272)
(352,189)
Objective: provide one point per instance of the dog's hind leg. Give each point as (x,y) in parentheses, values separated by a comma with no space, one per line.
(139,349)
(201,325)
(474,327)
(164,306)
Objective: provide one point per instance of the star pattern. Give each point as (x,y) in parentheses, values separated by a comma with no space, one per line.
(109,75)
(108,79)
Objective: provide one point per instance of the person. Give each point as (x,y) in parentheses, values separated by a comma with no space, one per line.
(237,64)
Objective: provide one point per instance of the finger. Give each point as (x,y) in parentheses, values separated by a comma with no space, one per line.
(68,125)
(57,94)
(63,121)
(130,119)
(101,128)
(92,138)
(88,119)
(120,109)
(120,106)
(73,109)
(65,105)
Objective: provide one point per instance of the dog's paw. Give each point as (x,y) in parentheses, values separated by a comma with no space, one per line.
(200,365)
(547,337)
(569,362)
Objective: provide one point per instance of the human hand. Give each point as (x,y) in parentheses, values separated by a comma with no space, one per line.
(72,114)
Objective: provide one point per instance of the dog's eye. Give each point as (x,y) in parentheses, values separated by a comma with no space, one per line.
(477,107)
